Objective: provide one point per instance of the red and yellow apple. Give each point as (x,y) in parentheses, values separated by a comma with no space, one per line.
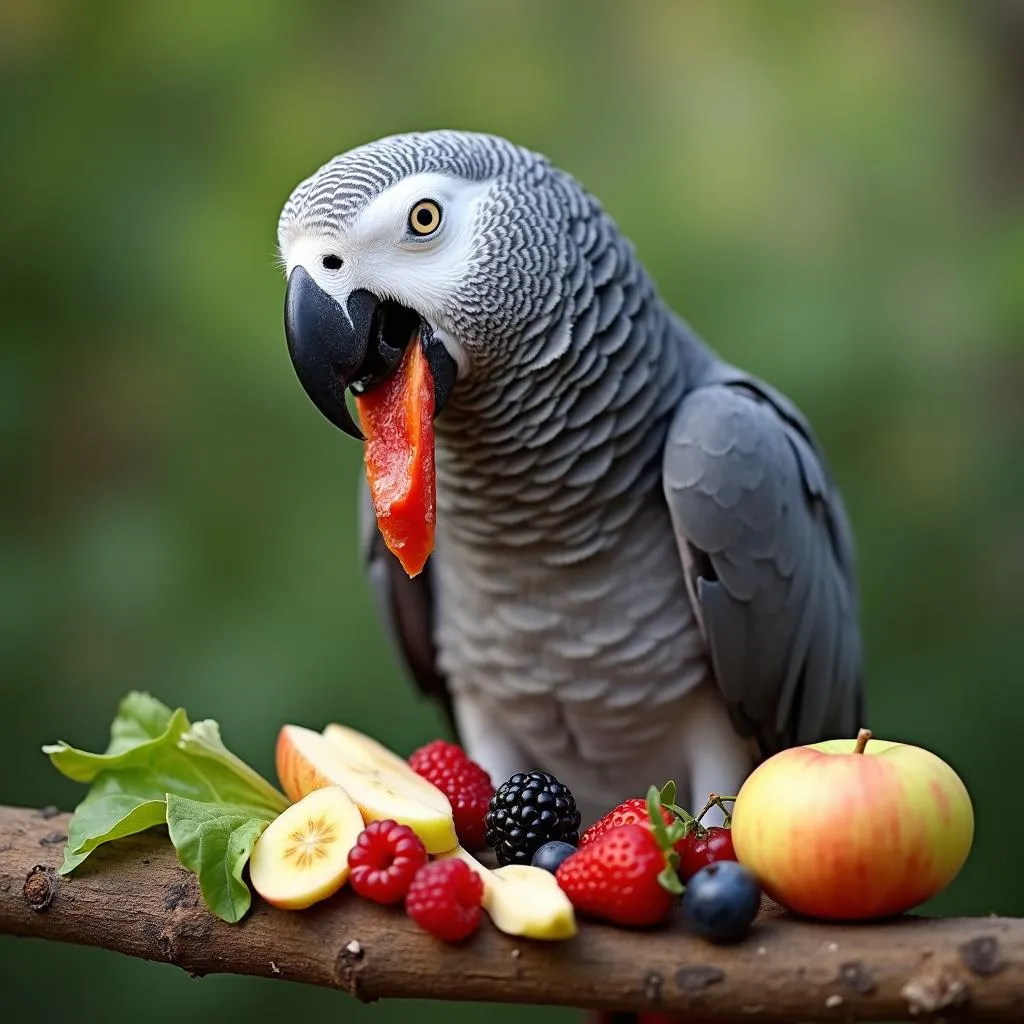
(853,829)
(306,761)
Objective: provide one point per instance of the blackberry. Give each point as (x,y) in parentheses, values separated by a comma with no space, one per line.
(527,811)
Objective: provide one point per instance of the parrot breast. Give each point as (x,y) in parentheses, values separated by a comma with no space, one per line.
(588,666)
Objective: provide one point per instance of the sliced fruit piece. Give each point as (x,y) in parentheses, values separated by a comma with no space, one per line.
(374,754)
(306,761)
(302,855)
(523,900)
(397,418)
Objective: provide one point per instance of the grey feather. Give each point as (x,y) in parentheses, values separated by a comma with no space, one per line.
(769,550)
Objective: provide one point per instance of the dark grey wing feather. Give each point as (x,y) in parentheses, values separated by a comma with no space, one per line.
(770,561)
(405,607)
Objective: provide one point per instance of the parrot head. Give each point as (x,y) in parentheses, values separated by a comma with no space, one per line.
(415,263)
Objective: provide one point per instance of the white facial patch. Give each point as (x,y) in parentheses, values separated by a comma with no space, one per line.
(380,252)
(421,272)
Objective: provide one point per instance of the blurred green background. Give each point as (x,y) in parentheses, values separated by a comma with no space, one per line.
(830,193)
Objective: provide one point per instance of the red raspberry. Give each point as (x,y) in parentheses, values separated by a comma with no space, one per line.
(629,812)
(444,899)
(385,860)
(467,786)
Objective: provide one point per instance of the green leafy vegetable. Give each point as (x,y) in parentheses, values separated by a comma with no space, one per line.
(203,740)
(132,744)
(140,717)
(117,805)
(160,769)
(214,842)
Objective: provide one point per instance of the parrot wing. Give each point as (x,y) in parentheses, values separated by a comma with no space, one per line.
(404,606)
(769,558)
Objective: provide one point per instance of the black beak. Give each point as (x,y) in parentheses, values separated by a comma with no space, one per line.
(332,349)
(327,345)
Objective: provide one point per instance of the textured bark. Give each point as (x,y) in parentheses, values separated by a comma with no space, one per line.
(133,897)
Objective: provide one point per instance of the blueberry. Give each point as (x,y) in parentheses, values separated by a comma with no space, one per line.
(550,855)
(721,901)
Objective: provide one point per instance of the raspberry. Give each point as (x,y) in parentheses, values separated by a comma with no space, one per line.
(467,786)
(385,860)
(444,899)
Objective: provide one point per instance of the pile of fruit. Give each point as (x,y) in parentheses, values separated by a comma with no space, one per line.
(822,829)
(406,831)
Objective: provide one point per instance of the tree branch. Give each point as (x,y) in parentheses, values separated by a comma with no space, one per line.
(133,897)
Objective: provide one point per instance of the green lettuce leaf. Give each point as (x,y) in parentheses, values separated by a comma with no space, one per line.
(140,717)
(117,805)
(190,761)
(214,842)
(203,740)
(159,769)
(135,741)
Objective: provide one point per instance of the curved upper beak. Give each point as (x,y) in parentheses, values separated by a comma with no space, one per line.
(327,344)
(333,348)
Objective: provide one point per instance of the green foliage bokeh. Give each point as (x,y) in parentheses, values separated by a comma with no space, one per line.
(824,190)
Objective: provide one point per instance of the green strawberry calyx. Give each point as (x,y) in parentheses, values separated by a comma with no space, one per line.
(668,835)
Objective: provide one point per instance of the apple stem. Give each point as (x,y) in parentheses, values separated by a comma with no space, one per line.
(862,741)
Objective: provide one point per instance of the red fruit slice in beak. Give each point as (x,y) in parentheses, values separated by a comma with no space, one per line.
(397,418)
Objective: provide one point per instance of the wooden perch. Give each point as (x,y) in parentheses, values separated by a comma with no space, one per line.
(133,897)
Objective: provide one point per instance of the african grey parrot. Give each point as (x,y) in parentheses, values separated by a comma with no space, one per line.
(642,569)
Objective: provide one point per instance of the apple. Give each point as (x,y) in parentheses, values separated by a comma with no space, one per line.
(358,745)
(301,857)
(853,829)
(305,760)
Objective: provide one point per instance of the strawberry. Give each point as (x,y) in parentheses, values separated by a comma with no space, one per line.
(629,812)
(622,877)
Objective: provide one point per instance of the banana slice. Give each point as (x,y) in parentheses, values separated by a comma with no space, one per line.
(522,900)
(301,857)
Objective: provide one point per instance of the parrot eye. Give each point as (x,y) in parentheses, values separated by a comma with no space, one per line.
(331,262)
(425,217)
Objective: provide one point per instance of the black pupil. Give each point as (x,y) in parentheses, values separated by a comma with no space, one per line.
(424,217)
(332,262)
